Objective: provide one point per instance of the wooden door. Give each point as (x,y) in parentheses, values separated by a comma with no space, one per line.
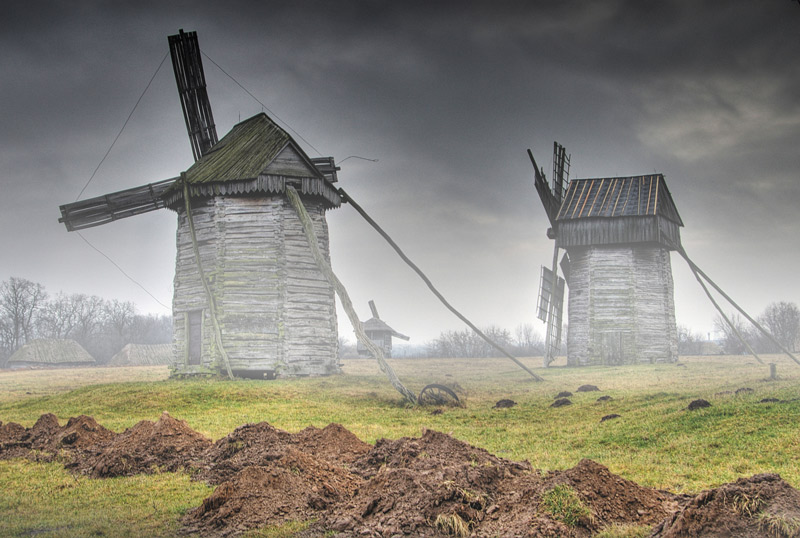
(194,336)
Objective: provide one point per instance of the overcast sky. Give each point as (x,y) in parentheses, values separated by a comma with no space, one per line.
(447,97)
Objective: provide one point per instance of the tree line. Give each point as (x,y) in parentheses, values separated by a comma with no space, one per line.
(103,327)
(781,319)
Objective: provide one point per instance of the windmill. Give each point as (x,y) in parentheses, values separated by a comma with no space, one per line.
(248,297)
(379,333)
(617,233)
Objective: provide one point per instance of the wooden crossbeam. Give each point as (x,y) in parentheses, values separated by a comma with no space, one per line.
(117,205)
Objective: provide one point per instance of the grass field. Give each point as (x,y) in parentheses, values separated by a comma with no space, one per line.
(656,441)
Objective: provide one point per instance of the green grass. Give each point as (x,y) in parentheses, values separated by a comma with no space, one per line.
(656,442)
(562,502)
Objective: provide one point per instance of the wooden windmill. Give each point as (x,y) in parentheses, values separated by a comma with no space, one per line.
(617,233)
(379,333)
(248,298)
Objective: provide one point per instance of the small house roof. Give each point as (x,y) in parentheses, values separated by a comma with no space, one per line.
(143,355)
(50,352)
(618,197)
(378,325)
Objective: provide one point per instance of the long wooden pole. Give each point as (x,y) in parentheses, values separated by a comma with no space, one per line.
(398,250)
(724,316)
(765,332)
(344,297)
(212,309)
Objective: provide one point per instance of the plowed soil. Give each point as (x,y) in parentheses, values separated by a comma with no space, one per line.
(428,486)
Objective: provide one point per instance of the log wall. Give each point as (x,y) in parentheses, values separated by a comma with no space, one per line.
(621,306)
(276,310)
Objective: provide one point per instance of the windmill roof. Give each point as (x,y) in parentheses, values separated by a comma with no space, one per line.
(244,153)
(375,324)
(618,197)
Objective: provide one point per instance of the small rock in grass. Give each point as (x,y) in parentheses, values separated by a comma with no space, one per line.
(609,417)
(561,402)
(504,404)
(588,388)
(698,404)
(563,394)
(605,399)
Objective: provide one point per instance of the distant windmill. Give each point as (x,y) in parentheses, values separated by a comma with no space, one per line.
(379,333)
(249,298)
(617,234)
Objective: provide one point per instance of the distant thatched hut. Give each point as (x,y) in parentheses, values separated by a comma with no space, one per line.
(50,354)
(143,355)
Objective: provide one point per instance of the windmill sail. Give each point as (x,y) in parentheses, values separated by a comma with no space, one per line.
(117,205)
(191,80)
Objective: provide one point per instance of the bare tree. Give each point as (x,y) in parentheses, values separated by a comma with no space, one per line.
(20,301)
(782,320)
(529,342)
(689,342)
(731,344)
(58,317)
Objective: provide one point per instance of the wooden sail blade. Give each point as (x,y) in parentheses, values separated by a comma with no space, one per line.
(117,205)
(191,80)
(549,201)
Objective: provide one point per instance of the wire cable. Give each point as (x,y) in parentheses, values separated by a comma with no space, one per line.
(265,107)
(121,270)
(123,128)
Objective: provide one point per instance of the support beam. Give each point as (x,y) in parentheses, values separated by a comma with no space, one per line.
(757,325)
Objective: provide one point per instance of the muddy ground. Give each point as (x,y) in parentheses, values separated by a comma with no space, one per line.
(433,485)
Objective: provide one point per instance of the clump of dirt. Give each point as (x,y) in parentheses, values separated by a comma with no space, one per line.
(561,402)
(46,439)
(504,404)
(588,388)
(762,505)
(743,390)
(610,417)
(11,443)
(262,443)
(605,399)
(333,443)
(563,394)
(294,487)
(698,404)
(769,400)
(147,447)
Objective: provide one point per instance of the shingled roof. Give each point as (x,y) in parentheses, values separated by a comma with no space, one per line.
(255,156)
(619,197)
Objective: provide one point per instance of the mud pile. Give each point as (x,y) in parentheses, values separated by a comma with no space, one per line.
(762,505)
(429,486)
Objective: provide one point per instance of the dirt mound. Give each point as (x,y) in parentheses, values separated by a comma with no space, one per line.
(698,404)
(762,505)
(294,487)
(147,447)
(429,486)
(261,443)
(561,402)
(588,388)
(333,443)
(11,444)
(46,439)
(505,403)
(248,445)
